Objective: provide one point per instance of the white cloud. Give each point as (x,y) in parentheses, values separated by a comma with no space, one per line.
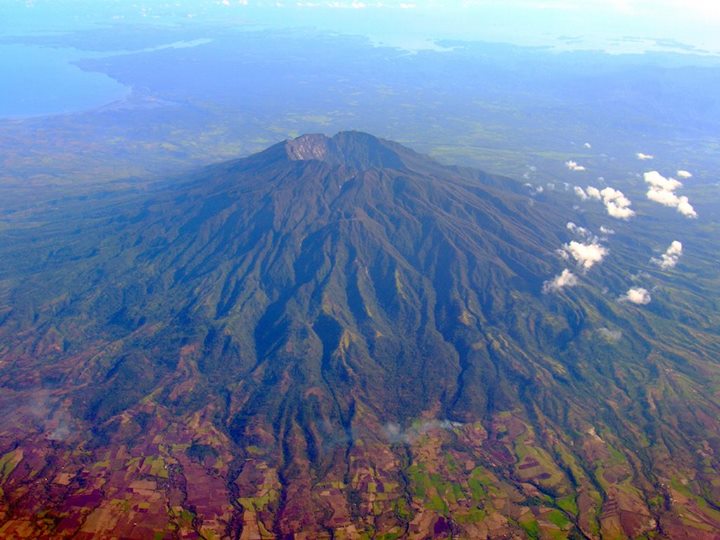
(565,279)
(535,189)
(637,295)
(662,191)
(657,180)
(612,336)
(615,195)
(684,174)
(675,248)
(580,192)
(582,232)
(616,203)
(685,208)
(605,230)
(573,166)
(671,256)
(587,145)
(586,255)
(619,212)
(347,5)
(666,198)
(644,157)
(395,433)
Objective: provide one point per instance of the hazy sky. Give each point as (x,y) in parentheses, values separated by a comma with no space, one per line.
(596,22)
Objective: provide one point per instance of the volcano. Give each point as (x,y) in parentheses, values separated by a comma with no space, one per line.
(339,337)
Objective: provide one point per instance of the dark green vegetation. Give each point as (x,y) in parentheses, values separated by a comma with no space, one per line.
(342,336)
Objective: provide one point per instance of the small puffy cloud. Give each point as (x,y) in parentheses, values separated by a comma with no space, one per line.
(619,212)
(565,279)
(582,232)
(657,180)
(580,192)
(573,166)
(662,191)
(675,248)
(586,255)
(616,203)
(534,188)
(644,157)
(611,336)
(671,256)
(685,208)
(637,295)
(587,145)
(615,195)
(606,230)
(684,174)
(396,434)
(347,5)
(664,197)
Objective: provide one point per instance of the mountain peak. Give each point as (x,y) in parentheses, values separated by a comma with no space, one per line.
(307,147)
(350,148)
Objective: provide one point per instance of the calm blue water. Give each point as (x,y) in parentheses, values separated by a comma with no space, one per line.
(37,81)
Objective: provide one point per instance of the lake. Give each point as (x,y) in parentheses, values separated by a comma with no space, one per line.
(38,81)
